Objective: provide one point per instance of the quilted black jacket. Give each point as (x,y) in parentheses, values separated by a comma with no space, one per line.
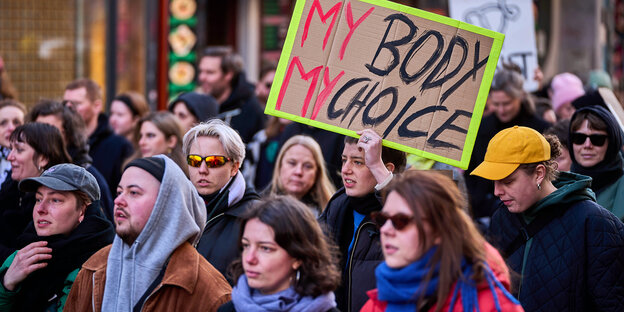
(575,262)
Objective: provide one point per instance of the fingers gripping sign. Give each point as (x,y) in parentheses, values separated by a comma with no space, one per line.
(371,142)
(27,260)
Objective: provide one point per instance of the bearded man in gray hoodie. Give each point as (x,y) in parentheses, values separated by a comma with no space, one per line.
(152,265)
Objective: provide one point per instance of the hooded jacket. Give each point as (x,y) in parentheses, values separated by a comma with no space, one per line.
(220,239)
(241,110)
(607,175)
(202,106)
(574,263)
(176,221)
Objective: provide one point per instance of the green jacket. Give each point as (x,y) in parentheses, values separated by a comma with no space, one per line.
(612,198)
(7,297)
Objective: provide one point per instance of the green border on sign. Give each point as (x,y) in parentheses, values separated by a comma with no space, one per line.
(482,95)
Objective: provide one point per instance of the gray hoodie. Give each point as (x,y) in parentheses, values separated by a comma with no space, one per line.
(179,216)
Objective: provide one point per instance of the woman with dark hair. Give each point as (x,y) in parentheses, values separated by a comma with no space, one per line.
(287,264)
(595,149)
(68,227)
(435,258)
(511,105)
(35,147)
(125,111)
(11,116)
(567,249)
(72,127)
(301,173)
(159,133)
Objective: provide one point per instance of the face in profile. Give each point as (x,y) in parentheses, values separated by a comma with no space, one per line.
(56,212)
(263,87)
(121,119)
(52,120)
(358,180)
(518,191)
(400,246)
(11,117)
(136,195)
(590,151)
(152,141)
(78,99)
(23,162)
(298,171)
(210,179)
(505,107)
(268,267)
(186,119)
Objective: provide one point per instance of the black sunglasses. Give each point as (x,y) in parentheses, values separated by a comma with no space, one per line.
(596,139)
(399,220)
(212,161)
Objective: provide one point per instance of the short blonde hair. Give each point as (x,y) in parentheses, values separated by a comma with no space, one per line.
(230,139)
(323,188)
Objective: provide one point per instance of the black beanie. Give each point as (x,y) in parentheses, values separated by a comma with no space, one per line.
(154,165)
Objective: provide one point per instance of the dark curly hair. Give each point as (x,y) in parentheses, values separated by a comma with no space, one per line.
(297,231)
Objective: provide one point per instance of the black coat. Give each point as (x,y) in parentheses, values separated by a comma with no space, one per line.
(482,200)
(15,213)
(358,276)
(574,263)
(219,243)
(108,151)
(241,110)
(229,307)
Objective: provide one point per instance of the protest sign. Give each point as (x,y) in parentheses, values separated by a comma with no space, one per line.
(418,79)
(512,18)
(614,105)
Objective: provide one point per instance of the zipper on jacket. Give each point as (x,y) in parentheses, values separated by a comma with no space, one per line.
(212,219)
(357,236)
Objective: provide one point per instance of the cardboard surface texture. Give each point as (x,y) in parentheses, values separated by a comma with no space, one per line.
(615,107)
(418,79)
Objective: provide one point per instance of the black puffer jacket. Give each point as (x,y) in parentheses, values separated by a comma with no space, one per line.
(241,110)
(358,275)
(219,243)
(575,262)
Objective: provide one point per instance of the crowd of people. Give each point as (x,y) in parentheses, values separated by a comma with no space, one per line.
(211,205)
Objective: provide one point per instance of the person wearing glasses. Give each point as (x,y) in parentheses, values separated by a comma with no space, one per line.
(214,152)
(595,149)
(435,258)
(566,248)
(286,263)
(367,168)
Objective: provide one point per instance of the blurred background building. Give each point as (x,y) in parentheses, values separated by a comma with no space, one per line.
(151,46)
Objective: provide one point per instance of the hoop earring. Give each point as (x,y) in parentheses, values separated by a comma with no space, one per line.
(539,187)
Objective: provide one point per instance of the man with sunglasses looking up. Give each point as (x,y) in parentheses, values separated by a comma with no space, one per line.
(214,153)
(367,168)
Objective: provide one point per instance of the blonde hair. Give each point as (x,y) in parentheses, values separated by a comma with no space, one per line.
(323,188)
(230,139)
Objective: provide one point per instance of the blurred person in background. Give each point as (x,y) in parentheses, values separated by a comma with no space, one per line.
(435,259)
(192,108)
(35,147)
(67,228)
(7,90)
(286,263)
(595,150)
(125,111)
(565,247)
(301,172)
(561,131)
(71,126)
(544,109)
(512,105)
(108,150)
(565,88)
(264,84)
(11,116)
(159,133)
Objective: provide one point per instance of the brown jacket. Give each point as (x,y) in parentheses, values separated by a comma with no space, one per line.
(190,284)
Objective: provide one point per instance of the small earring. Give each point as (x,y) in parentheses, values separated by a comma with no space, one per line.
(297,277)
(539,187)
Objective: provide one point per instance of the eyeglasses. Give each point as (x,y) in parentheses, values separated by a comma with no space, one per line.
(212,161)
(399,220)
(596,139)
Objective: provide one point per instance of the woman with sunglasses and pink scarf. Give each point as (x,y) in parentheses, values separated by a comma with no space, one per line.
(435,258)
(595,149)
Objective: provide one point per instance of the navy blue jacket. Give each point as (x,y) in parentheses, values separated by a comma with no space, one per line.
(241,110)
(575,262)
(108,151)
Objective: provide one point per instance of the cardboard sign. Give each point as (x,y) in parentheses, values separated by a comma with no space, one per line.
(615,107)
(512,18)
(418,79)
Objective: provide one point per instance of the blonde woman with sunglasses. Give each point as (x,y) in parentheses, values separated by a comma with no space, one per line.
(595,144)
(214,152)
